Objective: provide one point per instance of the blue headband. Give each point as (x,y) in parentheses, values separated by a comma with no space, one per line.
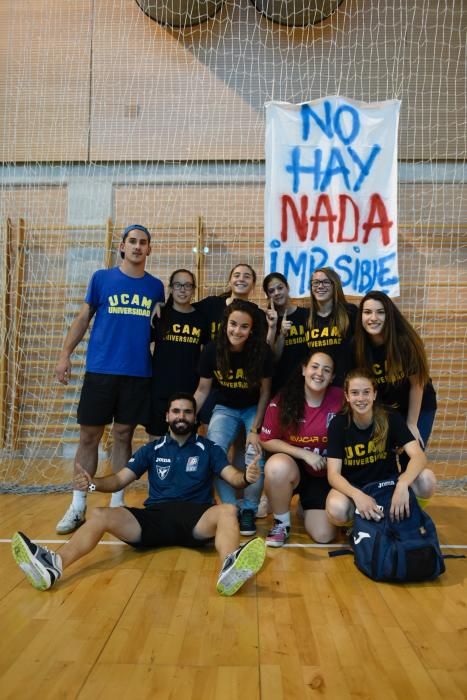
(136,227)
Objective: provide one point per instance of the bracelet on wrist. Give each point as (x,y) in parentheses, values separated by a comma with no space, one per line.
(254,431)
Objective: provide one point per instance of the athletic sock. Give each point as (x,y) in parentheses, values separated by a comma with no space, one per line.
(422,502)
(283,518)
(117,499)
(79,500)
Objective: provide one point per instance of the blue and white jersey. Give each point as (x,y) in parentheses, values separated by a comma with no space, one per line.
(179,473)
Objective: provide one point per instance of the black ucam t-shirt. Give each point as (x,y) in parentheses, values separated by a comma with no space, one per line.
(295,347)
(361,462)
(234,390)
(175,360)
(395,392)
(325,336)
(213,308)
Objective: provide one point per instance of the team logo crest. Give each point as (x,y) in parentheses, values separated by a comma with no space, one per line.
(192,464)
(162,472)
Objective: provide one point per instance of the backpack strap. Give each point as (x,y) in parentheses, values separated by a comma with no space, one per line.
(340,552)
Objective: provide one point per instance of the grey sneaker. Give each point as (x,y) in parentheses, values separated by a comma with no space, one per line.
(71,521)
(42,567)
(241,565)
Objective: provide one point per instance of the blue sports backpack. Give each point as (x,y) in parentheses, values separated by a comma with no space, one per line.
(397,551)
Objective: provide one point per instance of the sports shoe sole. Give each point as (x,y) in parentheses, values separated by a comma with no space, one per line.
(248,533)
(249,561)
(27,562)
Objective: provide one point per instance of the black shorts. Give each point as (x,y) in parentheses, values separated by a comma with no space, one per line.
(113,397)
(313,490)
(157,424)
(169,524)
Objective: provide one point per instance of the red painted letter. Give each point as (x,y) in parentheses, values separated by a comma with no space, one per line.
(323,201)
(377,218)
(300,220)
(343,199)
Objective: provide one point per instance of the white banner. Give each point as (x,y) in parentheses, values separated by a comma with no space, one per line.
(331,193)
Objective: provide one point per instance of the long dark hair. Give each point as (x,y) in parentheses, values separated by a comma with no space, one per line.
(339,314)
(163,322)
(292,394)
(405,352)
(380,417)
(255,347)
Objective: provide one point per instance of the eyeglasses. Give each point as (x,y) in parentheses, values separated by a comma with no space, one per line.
(325,284)
(183,285)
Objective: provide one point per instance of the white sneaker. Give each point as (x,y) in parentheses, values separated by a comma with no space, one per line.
(71,521)
(264,507)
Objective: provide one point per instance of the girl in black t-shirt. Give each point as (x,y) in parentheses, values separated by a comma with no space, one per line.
(287,324)
(389,346)
(179,336)
(240,285)
(331,321)
(239,365)
(362,444)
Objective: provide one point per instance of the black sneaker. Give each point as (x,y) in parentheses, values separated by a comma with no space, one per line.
(247,522)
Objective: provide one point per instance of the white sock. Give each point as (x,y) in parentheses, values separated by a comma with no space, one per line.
(283,518)
(117,499)
(79,500)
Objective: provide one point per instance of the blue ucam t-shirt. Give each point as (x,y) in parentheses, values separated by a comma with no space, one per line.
(121,330)
(179,473)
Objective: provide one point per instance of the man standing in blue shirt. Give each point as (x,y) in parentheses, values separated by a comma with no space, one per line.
(178,511)
(116,387)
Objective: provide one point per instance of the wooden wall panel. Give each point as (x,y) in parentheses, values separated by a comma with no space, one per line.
(105,73)
(45,80)
(45,205)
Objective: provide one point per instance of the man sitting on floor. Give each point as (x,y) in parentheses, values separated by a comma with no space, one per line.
(178,512)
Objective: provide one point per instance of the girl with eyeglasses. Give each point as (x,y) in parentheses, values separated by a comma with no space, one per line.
(331,322)
(179,336)
(387,345)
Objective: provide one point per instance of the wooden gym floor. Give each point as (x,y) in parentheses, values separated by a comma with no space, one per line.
(151,625)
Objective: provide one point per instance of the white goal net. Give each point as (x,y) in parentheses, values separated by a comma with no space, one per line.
(121,111)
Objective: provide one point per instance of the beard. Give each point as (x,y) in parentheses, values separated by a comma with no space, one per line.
(181,427)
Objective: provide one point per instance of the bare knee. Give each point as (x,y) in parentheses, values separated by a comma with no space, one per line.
(90,436)
(227,513)
(425,484)
(339,508)
(280,470)
(318,526)
(123,433)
